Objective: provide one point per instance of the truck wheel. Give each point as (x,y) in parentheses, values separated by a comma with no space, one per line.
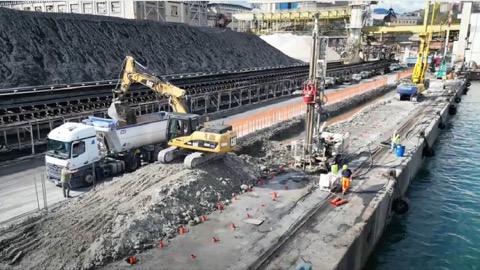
(88,179)
(132,163)
(155,152)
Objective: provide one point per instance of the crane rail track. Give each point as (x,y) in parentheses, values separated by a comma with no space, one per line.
(208,92)
(321,208)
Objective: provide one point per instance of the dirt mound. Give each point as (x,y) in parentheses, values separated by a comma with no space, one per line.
(44,48)
(123,216)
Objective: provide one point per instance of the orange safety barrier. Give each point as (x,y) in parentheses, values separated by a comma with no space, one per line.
(404,74)
(272,117)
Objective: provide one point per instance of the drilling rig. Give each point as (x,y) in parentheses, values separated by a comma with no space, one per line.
(318,148)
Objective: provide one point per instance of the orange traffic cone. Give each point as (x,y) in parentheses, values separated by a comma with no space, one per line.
(233,226)
(161,244)
(131,260)
(204,218)
(182,230)
(275,195)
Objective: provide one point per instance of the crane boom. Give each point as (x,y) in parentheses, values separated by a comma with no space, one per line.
(418,83)
(130,73)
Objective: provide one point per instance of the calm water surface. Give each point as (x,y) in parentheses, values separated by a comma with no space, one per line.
(442,228)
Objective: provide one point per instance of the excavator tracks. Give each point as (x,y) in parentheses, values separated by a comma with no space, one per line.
(198,158)
(191,161)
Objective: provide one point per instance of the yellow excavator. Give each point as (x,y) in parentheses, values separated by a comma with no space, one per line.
(199,143)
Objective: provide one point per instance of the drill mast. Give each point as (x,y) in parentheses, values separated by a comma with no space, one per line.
(313,94)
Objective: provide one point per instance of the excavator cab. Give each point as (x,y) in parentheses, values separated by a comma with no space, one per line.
(182,125)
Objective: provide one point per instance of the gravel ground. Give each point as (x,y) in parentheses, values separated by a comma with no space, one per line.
(134,212)
(44,48)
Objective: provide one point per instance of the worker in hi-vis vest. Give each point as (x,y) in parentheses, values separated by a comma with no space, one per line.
(395,141)
(346,178)
(334,167)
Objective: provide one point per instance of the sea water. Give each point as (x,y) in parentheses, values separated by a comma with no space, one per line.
(442,228)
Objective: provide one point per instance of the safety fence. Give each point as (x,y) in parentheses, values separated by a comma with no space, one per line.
(272,117)
(29,197)
(404,74)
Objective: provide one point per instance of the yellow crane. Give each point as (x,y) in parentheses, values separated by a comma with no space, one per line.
(411,90)
(186,135)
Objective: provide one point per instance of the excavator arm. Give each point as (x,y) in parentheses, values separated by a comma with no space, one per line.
(132,71)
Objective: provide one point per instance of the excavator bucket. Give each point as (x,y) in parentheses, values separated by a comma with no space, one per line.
(122,112)
(390,17)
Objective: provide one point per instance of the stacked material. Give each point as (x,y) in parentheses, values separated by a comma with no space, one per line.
(46,48)
(298,47)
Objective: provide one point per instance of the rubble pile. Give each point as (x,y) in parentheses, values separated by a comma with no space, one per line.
(123,216)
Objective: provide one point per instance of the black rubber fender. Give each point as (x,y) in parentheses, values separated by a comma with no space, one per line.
(400,206)
(452,110)
(458,99)
(428,152)
(441,125)
(468,84)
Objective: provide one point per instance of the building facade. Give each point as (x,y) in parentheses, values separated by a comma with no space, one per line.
(228,10)
(189,12)
(406,20)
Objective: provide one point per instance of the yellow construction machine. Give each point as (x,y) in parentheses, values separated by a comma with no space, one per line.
(411,90)
(185,134)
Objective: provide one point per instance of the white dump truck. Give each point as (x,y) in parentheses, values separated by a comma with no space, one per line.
(101,147)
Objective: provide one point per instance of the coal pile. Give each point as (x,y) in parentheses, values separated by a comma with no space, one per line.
(48,48)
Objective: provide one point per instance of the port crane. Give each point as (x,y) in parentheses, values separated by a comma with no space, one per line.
(413,89)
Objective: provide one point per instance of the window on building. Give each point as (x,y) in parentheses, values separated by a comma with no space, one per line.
(101,8)
(74,8)
(87,8)
(174,10)
(27,8)
(38,9)
(116,8)
(49,8)
(62,8)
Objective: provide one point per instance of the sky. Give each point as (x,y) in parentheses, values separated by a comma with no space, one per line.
(399,6)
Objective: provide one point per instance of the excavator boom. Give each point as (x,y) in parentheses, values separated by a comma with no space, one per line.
(132,71)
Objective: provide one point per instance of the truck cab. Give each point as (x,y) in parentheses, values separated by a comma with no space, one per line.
(75,144)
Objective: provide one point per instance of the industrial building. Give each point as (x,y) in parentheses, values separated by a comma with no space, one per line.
(195,13)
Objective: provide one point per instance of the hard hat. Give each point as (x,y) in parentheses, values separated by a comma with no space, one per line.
(345,167)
